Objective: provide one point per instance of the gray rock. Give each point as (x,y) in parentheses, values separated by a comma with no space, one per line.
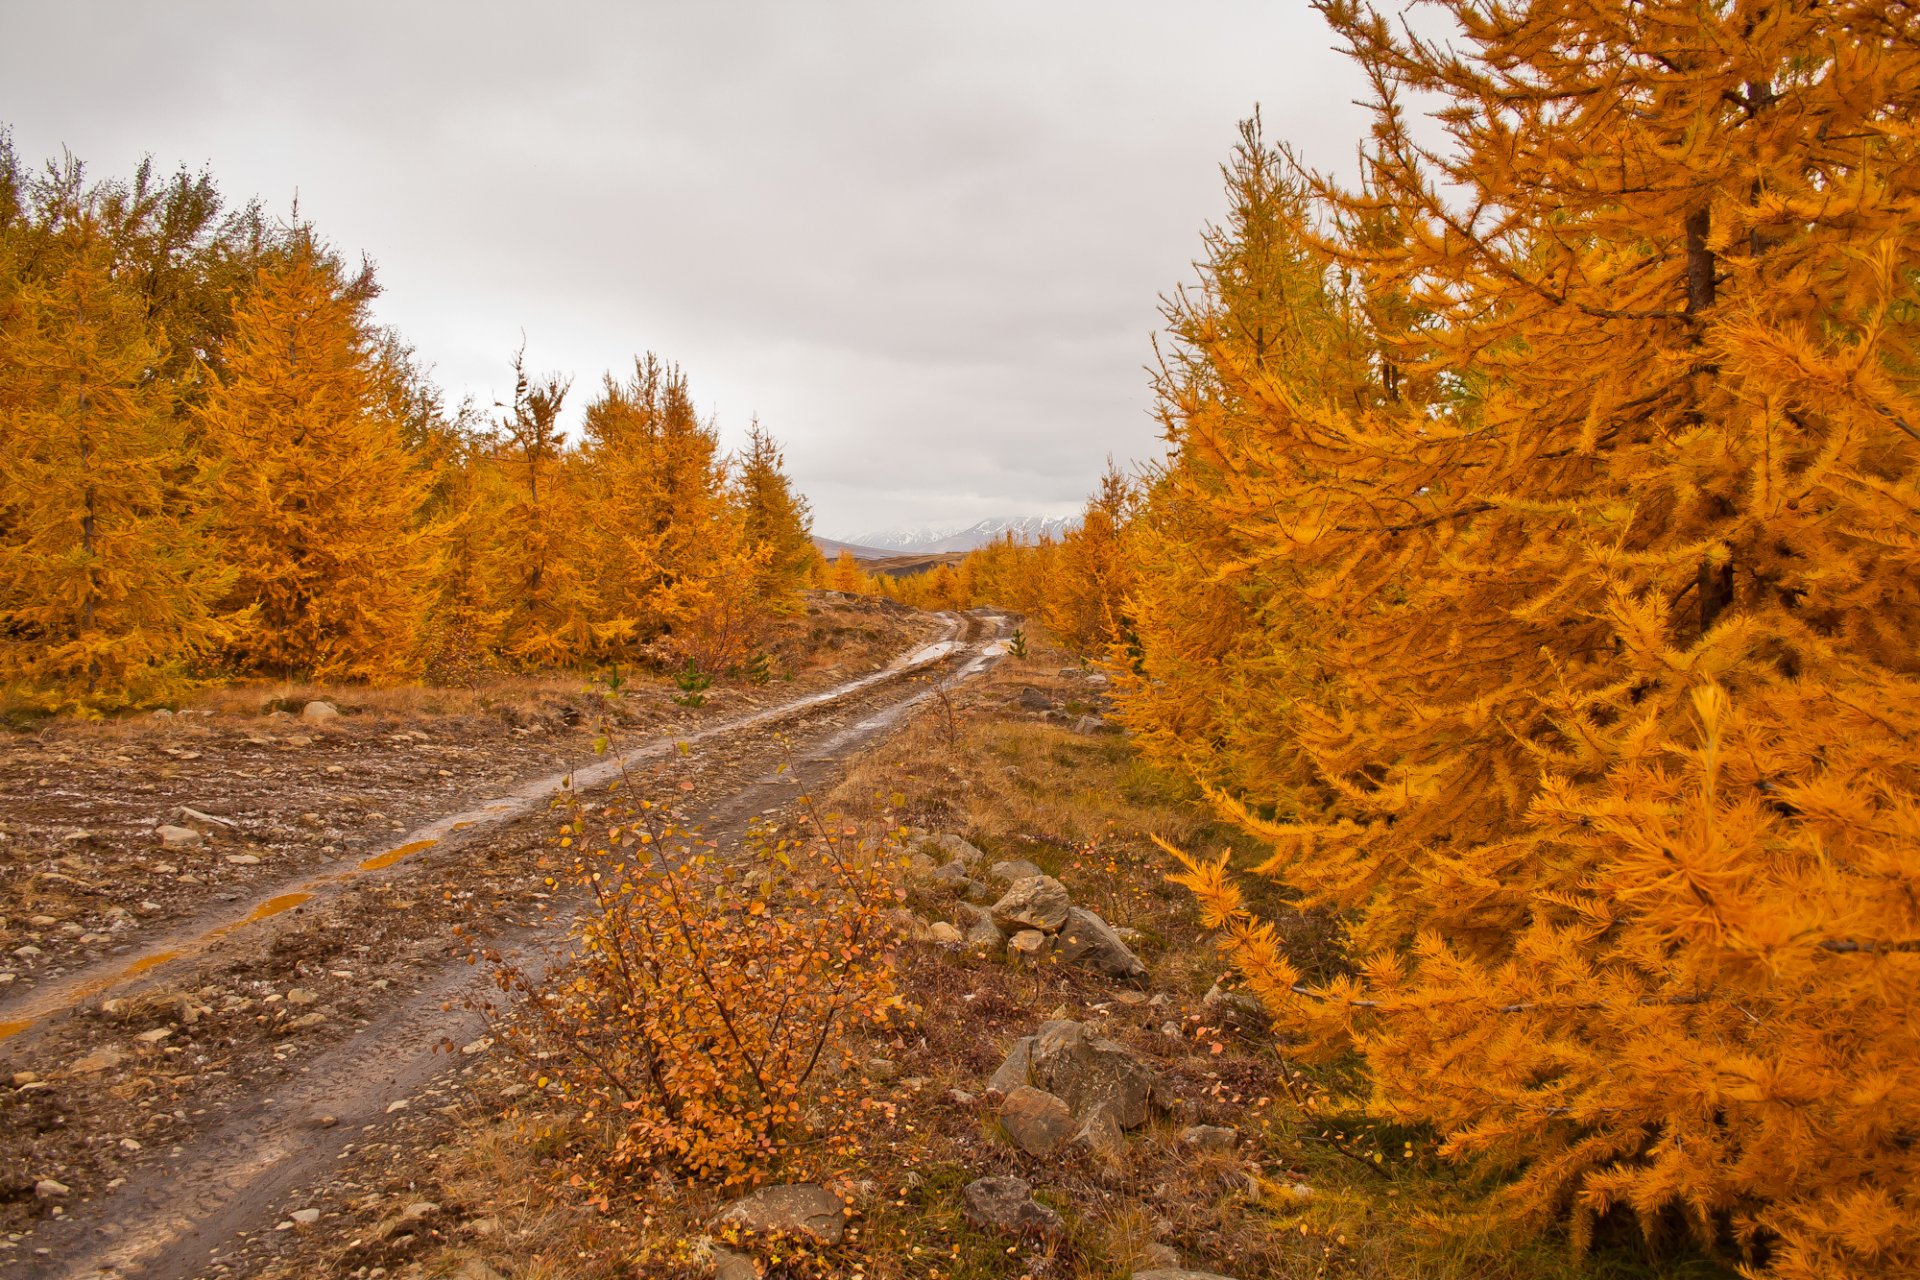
(789,1209)
(952,876)
(1236,1008)
(1037,902)
(984,935)
(1012,869)
(1013,1073)
(1069,1061)
(319,712)
(1007,1205)
(980,895)
(1209,1137)
(1031,699)
(1035,1120)
(48,1189)
(1090,942)
(955,848)
(1100,1133)
(1160,1255)
(305,1217)
(1091,725)
(172,837)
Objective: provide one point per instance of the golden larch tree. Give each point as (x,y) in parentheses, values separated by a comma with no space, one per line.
(319,501)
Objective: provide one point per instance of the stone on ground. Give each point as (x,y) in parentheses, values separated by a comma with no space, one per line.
(1006,1204)
(954,847)
(1037,902)
(1012,1073)
(319,712)
(1178,1273)
(1037,1121)
(1013,869)
(1100,1134)
(789,1209)
(172,837)
(1069,1061)
(1090,942)
(1209,1137)
(1028,944)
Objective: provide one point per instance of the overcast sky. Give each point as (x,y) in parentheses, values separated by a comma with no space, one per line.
(923,242)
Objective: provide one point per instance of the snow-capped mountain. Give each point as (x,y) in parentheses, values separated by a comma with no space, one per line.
(961,537)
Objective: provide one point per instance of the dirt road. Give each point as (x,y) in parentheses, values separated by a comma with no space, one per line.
(179,1091)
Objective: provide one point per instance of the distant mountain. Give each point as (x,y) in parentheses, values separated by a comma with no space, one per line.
(958,537)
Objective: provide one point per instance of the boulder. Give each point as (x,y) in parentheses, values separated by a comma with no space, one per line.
(789,1209)
(1069,1061)
(1089,726)
(1037,902)
(1007,1205)
(1011,870)
(728,1265)
(319,712)
(984,935)
(1100,1134)
(1012,1073)
(172,837)
(1035,1120)
(1209,1137)
(1090,942)
(955,848)
(1031,699)
(944,934)
(952,876)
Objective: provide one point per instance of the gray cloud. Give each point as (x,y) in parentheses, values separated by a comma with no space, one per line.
(923,242)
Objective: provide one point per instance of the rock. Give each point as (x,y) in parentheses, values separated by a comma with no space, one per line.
(1069,1061)
(1013,1072)
(306,1020)
(319,712)
(958,1097)
(728,1265)
(1031,699)
(300,995)
(154,1036)
(952,876)
(1010,870)
(419,1209)
(1160,1256)
(305,1217)
(1178,1273)
(1209,1137)
(985,935)
(1100,1133)
(789,1209)
(1235,1007)
(967,853)
(1037,902)
(1007,1205)
(1090,942)
(48,1189)
(476,1269)
(27,952)
(97,1061)
(244,859)
(1028,944)
(1092,725)
(196,818)
(881,1069)
(161,714)
(172,837)
(945,934)
(1036,1121)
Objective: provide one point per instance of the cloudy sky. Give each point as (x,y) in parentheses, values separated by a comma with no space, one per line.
(923,242)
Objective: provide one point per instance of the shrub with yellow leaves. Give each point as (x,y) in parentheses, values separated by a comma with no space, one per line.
(704,994)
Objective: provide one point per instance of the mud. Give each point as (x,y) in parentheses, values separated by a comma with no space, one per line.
(183,1088)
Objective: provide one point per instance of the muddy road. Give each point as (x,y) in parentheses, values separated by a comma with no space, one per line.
(158,1103)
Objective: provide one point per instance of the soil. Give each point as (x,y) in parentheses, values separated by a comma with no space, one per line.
(194,1034)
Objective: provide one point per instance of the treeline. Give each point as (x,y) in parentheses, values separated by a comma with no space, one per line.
(1534,570)
(213,462)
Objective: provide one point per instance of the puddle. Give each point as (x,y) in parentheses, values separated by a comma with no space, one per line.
(381,861)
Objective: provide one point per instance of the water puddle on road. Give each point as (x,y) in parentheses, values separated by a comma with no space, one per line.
(381,861)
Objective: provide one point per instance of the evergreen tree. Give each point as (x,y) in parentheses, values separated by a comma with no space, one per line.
(775,520)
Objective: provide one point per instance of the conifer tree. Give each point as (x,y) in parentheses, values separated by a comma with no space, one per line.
(775,519)
(319,500)
(1602,723)
(109,588)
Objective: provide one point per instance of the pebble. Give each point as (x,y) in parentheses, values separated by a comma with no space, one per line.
(305,1217)
(48,1189)
(173,837)
(154,1036)
(243,859)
